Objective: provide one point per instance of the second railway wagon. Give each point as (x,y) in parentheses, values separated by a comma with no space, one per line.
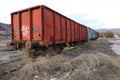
(40,26)
(92,34)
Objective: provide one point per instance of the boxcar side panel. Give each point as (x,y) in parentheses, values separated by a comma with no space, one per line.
(78,32)
(58,36)
(83,32)
(92,34)
(15,27)
(72,31)
(63,29)
(48,27)
(96,35)
(86,32)
(36,24)
(25,25)
(84,35)
(89,34)
(75,31)
(68,31)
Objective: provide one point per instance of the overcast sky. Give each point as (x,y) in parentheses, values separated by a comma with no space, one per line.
(93,13)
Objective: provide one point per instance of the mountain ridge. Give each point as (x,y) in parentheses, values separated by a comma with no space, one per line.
(114,30)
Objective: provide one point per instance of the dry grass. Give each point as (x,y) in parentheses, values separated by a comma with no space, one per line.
(91,61)
(95,67)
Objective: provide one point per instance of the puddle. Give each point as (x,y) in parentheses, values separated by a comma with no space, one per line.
(116,46)
(6,56)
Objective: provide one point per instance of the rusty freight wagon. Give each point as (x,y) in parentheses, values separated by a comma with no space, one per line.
(40,27)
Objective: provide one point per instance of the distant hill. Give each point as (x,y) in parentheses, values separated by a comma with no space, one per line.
(4,30)
(115,30)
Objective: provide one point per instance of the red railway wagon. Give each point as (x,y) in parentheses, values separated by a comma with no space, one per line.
(43,26)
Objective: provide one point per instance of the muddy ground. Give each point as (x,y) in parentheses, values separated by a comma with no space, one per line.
(94,60)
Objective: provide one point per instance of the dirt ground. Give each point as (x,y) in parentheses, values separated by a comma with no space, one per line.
(93,60)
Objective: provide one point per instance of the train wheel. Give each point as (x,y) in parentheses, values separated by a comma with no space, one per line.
(28,45)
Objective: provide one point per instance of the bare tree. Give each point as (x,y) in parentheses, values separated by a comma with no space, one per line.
(109,34)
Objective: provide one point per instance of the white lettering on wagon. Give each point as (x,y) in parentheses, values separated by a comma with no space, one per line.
(25,31)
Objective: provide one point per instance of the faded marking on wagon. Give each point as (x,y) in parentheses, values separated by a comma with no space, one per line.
(35,29)
(16,30)
(25,31)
